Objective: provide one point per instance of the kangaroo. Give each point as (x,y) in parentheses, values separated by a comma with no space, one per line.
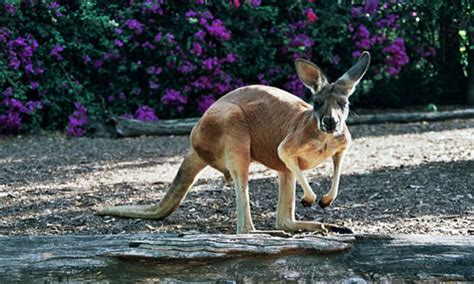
(277,129)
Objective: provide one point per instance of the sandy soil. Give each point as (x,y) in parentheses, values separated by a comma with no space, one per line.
(398,178)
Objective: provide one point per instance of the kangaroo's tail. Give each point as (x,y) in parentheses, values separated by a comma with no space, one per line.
(184,179)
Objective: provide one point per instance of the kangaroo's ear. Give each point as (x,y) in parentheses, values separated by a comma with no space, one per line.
(310,75)
(351,78)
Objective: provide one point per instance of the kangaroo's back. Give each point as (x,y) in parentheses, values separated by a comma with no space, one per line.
(268,114)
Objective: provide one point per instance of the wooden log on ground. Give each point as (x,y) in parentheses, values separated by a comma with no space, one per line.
(133,127)
(113,258)
(411,117)
(192,247)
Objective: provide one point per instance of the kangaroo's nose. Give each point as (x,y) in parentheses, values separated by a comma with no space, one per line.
(329,122)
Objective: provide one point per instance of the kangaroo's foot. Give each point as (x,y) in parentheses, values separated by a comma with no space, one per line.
(274,233)
(315,227)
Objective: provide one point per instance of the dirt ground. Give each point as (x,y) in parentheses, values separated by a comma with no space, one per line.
(398,178)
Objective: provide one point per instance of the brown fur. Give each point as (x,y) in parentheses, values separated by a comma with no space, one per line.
(272,127)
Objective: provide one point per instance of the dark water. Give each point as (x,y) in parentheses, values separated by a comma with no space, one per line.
(369,260)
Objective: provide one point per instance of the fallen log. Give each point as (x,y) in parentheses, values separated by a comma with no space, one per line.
(193,247)
(133,127)
(146,258)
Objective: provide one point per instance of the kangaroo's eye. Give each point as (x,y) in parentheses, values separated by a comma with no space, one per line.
(342,105)
(317,104)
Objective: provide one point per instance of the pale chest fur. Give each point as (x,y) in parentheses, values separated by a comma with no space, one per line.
(316,151)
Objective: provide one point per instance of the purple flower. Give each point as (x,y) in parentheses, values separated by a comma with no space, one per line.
(98,63)
(154,70)
(299,25)
(210,63)
(134,25)
(174,98)
(14,63)
(218,30)
(118,31)
(200,2)
(356,12)
(371,7)
(294,86)
(255,3)
(205,102)
(396,56)
(148,45)
(197,49)
(335,59)
(34,85)
(356,54)
(301,40)
(10,8)
(152,7)
(8,92)
(203,82)
(362,38)
(11,121)
(158,37)
(230,57)
(86,59)
(153,85)
(56,52)
(191,14)
(170,37)
(29,69)
(200,34)
(118,43)
(55,6)
(186,67)
(145,113)
(261,78)
(389,22)
(77,120)
(32,105)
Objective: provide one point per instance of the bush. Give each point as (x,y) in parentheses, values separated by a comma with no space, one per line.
(66,63)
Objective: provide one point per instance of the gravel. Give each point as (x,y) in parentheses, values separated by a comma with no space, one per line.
(414,178)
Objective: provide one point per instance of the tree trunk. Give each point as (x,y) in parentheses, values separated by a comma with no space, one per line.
(470,67)
(450,76)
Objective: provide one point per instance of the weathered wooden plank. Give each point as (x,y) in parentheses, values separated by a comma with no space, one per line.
(133,127)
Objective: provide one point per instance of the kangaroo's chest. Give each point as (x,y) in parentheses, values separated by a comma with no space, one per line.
(316,152)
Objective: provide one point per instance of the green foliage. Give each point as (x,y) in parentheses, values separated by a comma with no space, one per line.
(94,59)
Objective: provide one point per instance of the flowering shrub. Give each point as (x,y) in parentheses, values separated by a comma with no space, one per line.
(77,121)
(80,61)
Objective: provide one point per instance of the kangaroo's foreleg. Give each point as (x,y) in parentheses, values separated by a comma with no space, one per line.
(292,164)
(286,210)
(189,169)
(328,198)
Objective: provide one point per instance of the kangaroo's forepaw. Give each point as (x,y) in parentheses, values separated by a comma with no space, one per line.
(308,201)
(338,229)
(325,201)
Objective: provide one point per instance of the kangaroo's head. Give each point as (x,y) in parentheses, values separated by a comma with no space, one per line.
(331,100)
